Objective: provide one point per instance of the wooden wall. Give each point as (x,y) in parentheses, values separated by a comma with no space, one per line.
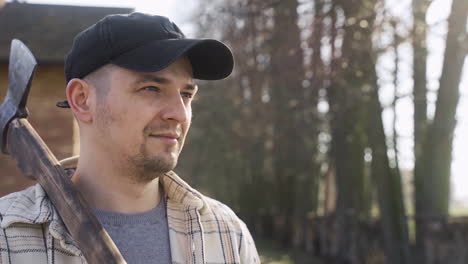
(54,125)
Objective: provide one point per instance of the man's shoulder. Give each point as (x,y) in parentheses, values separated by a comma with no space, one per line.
(183,198)
(221,219)
(221,213)
(218,208)
(27,234)
(7,200)
(28,206)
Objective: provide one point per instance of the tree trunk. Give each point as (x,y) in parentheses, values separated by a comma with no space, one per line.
(420,121)
(433,184)
(293,146)
(389,187)
(361,115)
(348,140)
(419,73)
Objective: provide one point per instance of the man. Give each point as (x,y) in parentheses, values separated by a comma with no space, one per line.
(130,86)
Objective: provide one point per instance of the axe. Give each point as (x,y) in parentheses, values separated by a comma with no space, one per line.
(35,160)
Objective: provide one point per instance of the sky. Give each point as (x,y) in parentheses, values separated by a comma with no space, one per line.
(180,12)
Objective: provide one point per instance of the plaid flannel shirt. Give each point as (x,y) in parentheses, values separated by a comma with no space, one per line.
(201,230)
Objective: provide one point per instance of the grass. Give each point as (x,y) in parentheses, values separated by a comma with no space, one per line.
(458,211)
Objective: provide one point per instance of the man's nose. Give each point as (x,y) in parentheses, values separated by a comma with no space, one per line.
(175,109)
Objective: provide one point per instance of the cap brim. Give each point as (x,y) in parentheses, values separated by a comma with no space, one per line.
(210,59)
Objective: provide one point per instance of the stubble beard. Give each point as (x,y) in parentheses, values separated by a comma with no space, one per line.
(149,167)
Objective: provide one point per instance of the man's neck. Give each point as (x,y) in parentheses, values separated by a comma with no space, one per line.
(109,188)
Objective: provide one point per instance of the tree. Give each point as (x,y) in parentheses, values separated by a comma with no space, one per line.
(432,181)
(293,152)
(357,124)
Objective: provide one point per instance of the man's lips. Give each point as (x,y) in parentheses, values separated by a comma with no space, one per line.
(170,138)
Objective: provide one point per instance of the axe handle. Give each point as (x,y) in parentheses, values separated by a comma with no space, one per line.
(35,160)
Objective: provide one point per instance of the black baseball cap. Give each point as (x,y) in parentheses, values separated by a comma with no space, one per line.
(146,43)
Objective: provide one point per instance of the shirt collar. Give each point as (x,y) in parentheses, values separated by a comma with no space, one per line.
(180,192)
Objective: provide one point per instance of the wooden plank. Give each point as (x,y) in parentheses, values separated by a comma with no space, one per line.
(36,160)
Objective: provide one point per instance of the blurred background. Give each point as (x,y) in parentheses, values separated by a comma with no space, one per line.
(339,138)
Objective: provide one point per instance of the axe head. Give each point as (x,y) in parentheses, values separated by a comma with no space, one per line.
(20,71)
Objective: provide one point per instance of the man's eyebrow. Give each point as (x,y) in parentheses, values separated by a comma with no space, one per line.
(152,78)
(158,79)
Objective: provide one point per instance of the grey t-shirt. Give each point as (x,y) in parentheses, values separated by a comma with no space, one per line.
(141,237)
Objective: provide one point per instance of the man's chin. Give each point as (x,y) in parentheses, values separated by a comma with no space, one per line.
(161,163)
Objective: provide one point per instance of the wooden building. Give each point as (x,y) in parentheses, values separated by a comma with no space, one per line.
(48,30)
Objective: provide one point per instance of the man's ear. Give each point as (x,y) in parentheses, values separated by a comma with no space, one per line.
(79,98)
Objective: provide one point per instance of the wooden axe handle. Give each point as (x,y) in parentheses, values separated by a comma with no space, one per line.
(36,160)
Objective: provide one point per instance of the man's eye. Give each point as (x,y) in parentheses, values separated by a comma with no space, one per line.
(187,95)
(152,88)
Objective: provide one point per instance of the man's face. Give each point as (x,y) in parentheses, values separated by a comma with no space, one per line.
(143,118)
